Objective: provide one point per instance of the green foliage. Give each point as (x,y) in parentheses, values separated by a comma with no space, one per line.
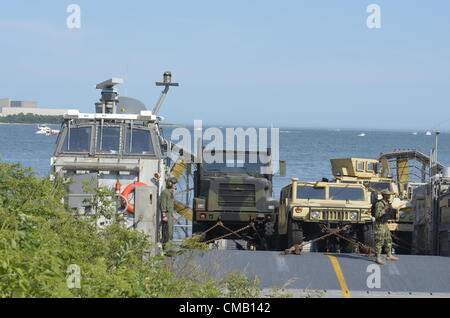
(103,203)
(240,286)
(194,242)
(40,238)
(279,292)
(30,118)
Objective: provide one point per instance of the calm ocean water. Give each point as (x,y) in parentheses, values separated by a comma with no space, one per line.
(306,151)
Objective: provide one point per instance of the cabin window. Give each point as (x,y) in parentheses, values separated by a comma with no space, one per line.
(305,192)
(251,163)
(360,165)
(346,194)
(372,166)
(77,140)
(139,141)
(108,140)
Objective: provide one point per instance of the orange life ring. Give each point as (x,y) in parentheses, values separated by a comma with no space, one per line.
(128,189)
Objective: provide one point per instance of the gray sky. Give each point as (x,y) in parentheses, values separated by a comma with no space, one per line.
(292,63)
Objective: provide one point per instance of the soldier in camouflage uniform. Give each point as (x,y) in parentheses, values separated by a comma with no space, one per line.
(381,230)
(167,208)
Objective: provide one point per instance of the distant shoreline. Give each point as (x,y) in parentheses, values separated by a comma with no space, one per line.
(29,124)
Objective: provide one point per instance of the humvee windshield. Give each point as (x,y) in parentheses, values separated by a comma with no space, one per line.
(77,140)
(305,192)
(237,165)
(346,194)
(139,142)
(108,140)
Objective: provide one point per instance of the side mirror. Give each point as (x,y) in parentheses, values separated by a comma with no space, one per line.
(282,168)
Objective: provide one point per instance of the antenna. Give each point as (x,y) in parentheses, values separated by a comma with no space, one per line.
(436,146)
(167,82)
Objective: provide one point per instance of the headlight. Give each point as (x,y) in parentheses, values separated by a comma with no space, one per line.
(353,215)
(200,206)
(315,215)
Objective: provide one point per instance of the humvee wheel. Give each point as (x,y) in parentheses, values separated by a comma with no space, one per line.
(368,236)
(295,233)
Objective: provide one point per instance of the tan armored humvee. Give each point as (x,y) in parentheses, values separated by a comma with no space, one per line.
(305,208)
(376,176)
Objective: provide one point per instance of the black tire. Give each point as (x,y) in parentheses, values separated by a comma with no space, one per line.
(368,235)
(321,246)
(295,233)
(345,247)
(269,229)
(269,235)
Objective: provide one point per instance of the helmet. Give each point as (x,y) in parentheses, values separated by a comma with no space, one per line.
(171,181)
(386,192)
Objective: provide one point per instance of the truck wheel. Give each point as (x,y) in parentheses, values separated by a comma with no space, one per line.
(269,235)
(295,233)
(269,228)
(321,246)
(368,236)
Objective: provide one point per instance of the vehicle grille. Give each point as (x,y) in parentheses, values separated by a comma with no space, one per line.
(237,195)
(337,215)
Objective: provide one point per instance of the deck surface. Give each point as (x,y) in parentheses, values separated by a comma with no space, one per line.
(334,275)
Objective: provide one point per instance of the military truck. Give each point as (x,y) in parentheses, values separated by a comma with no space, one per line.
(306,208)
(236,192)
(376,176)
(425,182)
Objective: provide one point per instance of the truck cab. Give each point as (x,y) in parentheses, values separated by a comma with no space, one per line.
(235,190)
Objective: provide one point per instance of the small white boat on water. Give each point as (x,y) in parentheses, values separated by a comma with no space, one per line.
(361,135)
(415,133)
(45,130)
(428,133)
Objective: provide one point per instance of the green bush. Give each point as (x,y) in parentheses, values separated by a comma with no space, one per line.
(40,239)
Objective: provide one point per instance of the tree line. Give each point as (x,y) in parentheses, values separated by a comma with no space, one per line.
(30,118)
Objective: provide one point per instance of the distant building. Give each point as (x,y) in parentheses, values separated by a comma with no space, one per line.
(14,107)
(23,104)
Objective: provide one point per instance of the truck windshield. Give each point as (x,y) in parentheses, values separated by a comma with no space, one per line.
(346,194)
(236,165)
(77,140)
(305,192)
(378,186)
(139,142)
(108,140)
